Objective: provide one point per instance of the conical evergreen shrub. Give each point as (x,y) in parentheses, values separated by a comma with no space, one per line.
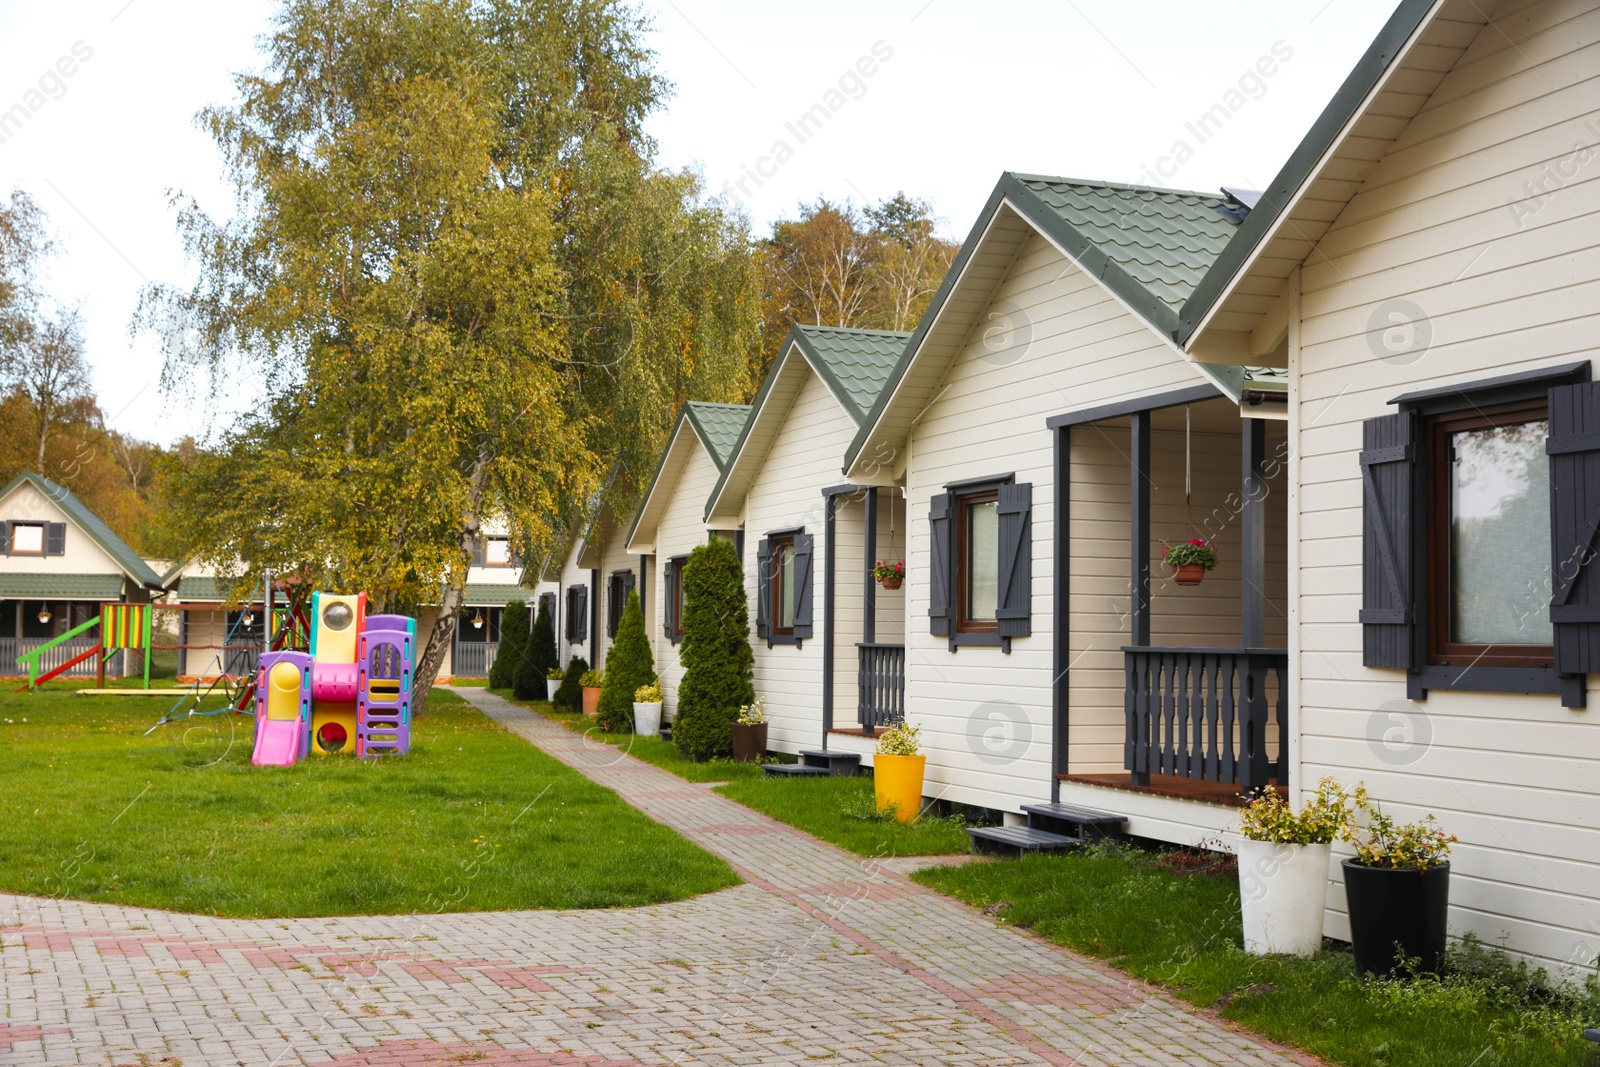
(717,660)
(629,665)
(569,697)
(539,656)
(513,644)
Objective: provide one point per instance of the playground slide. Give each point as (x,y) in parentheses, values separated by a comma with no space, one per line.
(277,743)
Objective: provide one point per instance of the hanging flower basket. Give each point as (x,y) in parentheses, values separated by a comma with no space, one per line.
(1189,561)
(890,575)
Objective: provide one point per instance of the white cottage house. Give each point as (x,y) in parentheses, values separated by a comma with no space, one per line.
(670,521)
(1425,269)
(58,563)
(809,542)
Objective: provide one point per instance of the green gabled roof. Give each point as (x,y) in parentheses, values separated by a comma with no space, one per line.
(197,587)
(87,521)
(719,426)
(493,596)
(60,586)
(1277,196)
(1149,246)
(854,363)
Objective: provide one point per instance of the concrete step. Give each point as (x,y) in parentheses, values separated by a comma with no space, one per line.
(1073,820)
(834,762)
(793,770)
(1018,840)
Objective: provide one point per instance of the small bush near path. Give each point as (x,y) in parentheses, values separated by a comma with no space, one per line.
(529,679)
(629,665)
(1182,931)
(474,819)
(652,750)
(717,659)
(569,694)
(513,644)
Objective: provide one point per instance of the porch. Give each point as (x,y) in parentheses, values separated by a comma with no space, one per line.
(864,652)
(1168,690)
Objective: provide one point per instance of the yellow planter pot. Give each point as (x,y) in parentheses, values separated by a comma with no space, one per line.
(897,781)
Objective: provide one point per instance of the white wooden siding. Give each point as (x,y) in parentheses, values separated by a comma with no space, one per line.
(1485,215)
(83,555)
(681,528)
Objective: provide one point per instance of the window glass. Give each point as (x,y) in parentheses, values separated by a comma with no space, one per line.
(983,559)
(27,538)
(784,579)
(1500,535)
(497,552)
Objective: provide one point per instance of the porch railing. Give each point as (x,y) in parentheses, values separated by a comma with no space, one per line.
(1208,714)
(880,685)
(12,647)
(474,658)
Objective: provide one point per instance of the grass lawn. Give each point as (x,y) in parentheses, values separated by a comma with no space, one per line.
(1182,931)
(839,810)
(474,819)
(842,810)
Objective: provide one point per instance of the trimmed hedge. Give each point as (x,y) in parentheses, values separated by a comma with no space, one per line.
(569,696)
(717,660)
(539,656)
(513,645)
(629,665)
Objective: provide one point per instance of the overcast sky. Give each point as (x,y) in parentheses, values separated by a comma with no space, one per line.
(932,97)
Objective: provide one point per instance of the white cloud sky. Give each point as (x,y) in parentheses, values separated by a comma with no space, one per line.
(958,92)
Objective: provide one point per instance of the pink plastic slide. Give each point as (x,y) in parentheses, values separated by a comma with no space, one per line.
(278,743)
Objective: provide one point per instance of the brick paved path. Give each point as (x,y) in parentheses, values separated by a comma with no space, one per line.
(821,957)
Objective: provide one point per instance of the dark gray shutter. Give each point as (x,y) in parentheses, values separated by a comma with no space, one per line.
(940,550)
(5,538)
(804,549)
(55,539)
(1014,611)
(580,617)
(628,580)
(1389,486)
(1574,449)
(669,599)
(764,587)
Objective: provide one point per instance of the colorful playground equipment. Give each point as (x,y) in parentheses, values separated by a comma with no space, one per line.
(121,626)
(352,688)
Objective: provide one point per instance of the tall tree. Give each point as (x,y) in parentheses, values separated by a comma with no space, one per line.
(25,244)
(460,278)
(910,260)
(50,370)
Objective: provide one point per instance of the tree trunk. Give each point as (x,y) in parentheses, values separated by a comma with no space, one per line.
(444,627)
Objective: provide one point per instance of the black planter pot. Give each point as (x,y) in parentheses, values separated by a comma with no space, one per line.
(749,742)
(1395,911)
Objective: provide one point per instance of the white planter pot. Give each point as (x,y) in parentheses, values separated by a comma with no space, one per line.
(1282,892)
(550,687)
(647,718)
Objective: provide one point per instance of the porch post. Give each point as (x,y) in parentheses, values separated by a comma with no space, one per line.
(1139,583)
(869,552)
(1253,533)
(1061,632)
(830,505)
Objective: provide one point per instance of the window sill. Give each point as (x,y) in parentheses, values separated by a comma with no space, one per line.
(1570,687)
(980,640)
(784,639)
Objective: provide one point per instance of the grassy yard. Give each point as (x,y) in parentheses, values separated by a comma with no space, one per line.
(839,810)
(1181,931)
(474,819)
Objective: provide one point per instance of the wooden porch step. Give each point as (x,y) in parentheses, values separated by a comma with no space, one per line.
(834,762)
(794,770)
(666,732)
(1018,840)
(1074,820)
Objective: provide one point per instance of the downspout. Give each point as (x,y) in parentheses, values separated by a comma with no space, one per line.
(829,539)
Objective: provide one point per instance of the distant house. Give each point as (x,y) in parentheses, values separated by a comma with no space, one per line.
(58,563)
(670,522)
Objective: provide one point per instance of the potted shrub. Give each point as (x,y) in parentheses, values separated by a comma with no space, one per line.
(552,682)
(647,709)
(1283,868)
(718,664)
(750,732)
(594,683)
(1397,888)
(897,768)
(1190,560)
(889,575)
(629,665)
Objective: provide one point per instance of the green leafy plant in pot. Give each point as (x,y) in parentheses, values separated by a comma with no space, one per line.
(1190,560)
(750,732)
(1397,888)
(1283,868)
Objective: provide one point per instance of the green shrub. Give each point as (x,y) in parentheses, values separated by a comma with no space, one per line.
(717,661)
(539,656)
(570,696)
(513,645)
(629,665)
